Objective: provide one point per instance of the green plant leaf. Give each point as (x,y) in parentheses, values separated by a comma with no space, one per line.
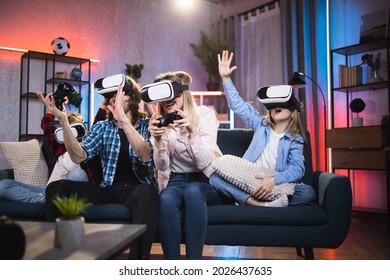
(134,71)
(208,48)
(71,207)
(75,99)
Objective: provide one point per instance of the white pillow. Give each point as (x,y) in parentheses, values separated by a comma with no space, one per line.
(27,161)
(241,173)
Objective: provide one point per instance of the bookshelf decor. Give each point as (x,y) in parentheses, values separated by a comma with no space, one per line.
(357,106)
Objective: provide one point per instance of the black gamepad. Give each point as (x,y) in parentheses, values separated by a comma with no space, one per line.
(63,90)
(168,119)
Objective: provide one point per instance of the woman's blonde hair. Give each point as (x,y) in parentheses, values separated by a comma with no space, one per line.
(75,118)
(188,101)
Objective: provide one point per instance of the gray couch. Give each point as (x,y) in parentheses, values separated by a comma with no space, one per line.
(323,224)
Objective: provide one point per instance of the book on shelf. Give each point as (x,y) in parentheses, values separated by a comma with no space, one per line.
(350,75)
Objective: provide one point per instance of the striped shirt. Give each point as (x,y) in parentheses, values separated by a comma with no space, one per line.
(104,140)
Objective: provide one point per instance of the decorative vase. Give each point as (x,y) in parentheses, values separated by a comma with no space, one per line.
(376,78)
(69,234)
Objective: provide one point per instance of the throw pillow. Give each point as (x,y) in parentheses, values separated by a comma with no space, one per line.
(241,173)
(27,161)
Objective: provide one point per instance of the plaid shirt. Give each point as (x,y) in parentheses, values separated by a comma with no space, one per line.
(104,140)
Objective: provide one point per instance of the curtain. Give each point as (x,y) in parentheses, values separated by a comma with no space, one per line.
(258,53)
(304,31)
(276,40)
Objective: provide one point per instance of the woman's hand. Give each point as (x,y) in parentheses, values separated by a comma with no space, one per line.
(265,188)
(185,122)
(224,65)
(49,102)
(154,130)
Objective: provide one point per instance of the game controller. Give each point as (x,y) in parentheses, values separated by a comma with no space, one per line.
(168,119)
(63,90)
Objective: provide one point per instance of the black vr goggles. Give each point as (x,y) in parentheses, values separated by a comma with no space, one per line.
(278,96)
(162,91)
(109,85)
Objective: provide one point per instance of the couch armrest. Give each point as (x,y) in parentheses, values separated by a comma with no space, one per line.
(335,197)
(6,174)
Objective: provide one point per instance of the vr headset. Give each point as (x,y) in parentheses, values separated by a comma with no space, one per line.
(78,130)
(162,91)
(109,85)
(278,96)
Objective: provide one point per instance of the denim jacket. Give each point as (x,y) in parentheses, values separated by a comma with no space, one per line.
(289,162)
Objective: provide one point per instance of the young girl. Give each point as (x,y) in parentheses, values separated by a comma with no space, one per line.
(186,149)
(277,144)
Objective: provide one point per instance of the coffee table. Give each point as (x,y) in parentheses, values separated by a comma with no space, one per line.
(102,241)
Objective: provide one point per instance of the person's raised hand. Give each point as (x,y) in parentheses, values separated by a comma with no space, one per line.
(49,102)
(224,62)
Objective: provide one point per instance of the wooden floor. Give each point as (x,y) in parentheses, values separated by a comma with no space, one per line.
(367,239)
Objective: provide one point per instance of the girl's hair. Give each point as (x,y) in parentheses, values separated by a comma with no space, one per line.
(75,118)
(188,101)
(294,127)
(135,98)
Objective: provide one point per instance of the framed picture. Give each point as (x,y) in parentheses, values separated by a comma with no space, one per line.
(375,26)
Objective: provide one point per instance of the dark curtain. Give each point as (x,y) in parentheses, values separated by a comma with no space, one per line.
(304,37)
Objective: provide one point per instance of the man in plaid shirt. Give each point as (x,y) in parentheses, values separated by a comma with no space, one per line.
(123,143)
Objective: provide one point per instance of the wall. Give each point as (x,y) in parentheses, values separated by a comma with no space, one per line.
(116,32)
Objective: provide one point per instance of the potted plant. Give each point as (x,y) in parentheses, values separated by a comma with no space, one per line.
(75,99)
(134,71)
(375,65)
(207,50)
(357,106)
(69,229)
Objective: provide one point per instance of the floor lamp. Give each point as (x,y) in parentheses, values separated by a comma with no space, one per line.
(298,81)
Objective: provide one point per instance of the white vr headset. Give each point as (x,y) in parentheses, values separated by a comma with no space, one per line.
(109,85)
(162,91)
(278,96)
(78,130)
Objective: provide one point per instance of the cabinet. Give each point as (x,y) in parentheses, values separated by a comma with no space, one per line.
(365,147)
(38,73)
(217,101)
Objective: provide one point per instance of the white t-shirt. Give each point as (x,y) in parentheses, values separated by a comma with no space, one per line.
(268,158)
(64,167)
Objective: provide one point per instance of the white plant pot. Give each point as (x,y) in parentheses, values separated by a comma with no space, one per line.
(69,234)
(357,122)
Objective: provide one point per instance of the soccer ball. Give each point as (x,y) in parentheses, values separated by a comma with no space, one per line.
(60,46)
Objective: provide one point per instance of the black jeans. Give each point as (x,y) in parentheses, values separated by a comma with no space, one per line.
(141,199)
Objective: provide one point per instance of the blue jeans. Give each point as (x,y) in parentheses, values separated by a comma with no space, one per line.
(185,198)
(303,194)
(17,191)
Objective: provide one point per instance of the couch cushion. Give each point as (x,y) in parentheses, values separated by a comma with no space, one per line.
(23,210)
(234,141)
(302,215)
(27,161)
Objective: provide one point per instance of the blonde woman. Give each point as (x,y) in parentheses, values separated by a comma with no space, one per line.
(185,148)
